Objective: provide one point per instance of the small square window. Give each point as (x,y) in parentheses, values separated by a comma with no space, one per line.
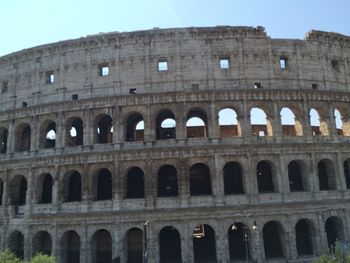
(195,86)
(283,62)
(74,96)
(261,133)
(132,91)
(4,87)
(163,65)
(335,65)
(224,63)
(314,85)
(50,77)
(257,85)
(104,70)
(24,104)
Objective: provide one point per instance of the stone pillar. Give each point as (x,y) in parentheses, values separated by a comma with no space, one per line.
(117,182)
(276,123)
(117,126)
(152,244)
(34,135)
(290,243)
(30,194)
(282,176)
(60,131)
(257,245)
(117,245)
(339,173)
(85,247)
(251,184)
(181,131)
(222,246)
(218,180)
(88,128)
(56,190)
(28,244)
(56,249)
(183,182)
(305,120)
(213,122)
(322,238)
(150,185)
(11,137)
(149,130)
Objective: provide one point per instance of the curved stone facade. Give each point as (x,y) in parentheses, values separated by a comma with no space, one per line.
(102,134)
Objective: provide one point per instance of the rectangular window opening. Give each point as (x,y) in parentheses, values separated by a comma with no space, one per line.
(195,86)
(257,85)
(314,85)
(224,63)
(132,91)
(283,62)
(104,70)
(4,87)
(74,96)
(261,134)
(335,65)
(163,65)
(50,77)
(24,104)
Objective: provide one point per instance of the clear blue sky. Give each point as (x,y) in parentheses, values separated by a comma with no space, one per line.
(27,23)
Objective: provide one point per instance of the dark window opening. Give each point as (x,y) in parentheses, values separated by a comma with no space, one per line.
(303,238)
(224,63)
(23,138)
(49,77)
(104,130)
(347,173)
(4,87)
(165,125)
(169,245)
(167,181)
(314,86)
(16,244)
(18,190)
(102,247)
(103,70)
(3,140)
(70,244)
(195,86)
(200,183)
(48,136)
(133,91)
(46,193)
(204,248)
(335,65)
(295,177)
(74,188)
(1,191)
(264,177)
(104,185)
(24,104)
(135,245)
(233,178)
(163,65)
(288,122)
(238,242)
(196,124)
(135,128)
(74,96)
(335,232)
(258,122)
(283,62)
(42,243)
(135,184)
(272,240)
(326,176)
(228,123)
(257,85)
(74,132)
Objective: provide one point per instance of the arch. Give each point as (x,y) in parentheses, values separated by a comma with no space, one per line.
(46,189)
(238,242)
(135,183)
(303,233)
(233,183)
(204,247)
(200,182)
(42,243)
(167,181)
(22,137)
(334,230)
(346,166)
(338,119)
(326,175)
(3,140)
(318,125)
(1,191)
(72,187)
(228,123)
(74,132)
(103,184)
(135,127)
(134,239)
(290,125)
(70,243)
(101,247)
(273,234)
(16,244)
(103,129)
(196,124)
(47,133)
(260,124)
(165,125)
(18,190)
(265,177)
(169,245)
(296,176)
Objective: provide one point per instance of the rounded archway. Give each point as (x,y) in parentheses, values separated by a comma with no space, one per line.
(200,182)
(16,244)
(334,230)
(101,247)
(70,243)
(273,240)
(42,243)
(135,183)
(134,239)
(169,245)
(238,240)
(233,181)
(165,125)
(303,233)
(204,247)
(167,181)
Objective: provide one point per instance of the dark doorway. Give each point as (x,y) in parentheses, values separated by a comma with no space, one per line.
(347,173)
(135,183)
(3,140)
(104,129)
(165,125)
(197,124)
(102,247)
(133,132)
(74,187)
(238,242)
(74,132)
(135,245)
(204,248)
(272,233)
(46,193)
(42,243)
(1,191)
(200,183)
(16,244)
(264,177)
(334,230)
(326,176)
(104,185)
(48,135)
(303,233)
(167,181)
(23,138)
(71,247)
(233,178)
(169,245)
(295,177)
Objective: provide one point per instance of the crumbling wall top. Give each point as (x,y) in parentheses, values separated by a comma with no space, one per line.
(328,37)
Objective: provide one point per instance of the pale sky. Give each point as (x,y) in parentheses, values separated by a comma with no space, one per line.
(28,23)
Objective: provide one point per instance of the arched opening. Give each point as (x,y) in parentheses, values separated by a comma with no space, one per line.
(101,247)
(72,187)
(104,129)
(233,183)
(46,189)
(104,184)
(42,243)
(273,234)
(169,245)
(22,137)
(16,244)
(135,245)
(74,132)
(48,135)
(18,189)
(204,248)
(290,127)
(334,230)
(318,126)
(338,122)
(260,124)
(135,183)
(347,173)
(265,177)
(3,140)
(303,234)
(295,176)
(70,244)
(326,175)
(1,191)
(228,123)
(197,124)
(165,125)
(200,183)
(238,242)
(135,128)
(167,181)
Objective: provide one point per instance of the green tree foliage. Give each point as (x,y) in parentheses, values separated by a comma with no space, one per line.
(338,257)
(42,258)
(8,257)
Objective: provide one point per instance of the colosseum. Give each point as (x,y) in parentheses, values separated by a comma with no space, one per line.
(215,144)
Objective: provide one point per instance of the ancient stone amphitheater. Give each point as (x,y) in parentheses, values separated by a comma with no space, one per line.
(176,145)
